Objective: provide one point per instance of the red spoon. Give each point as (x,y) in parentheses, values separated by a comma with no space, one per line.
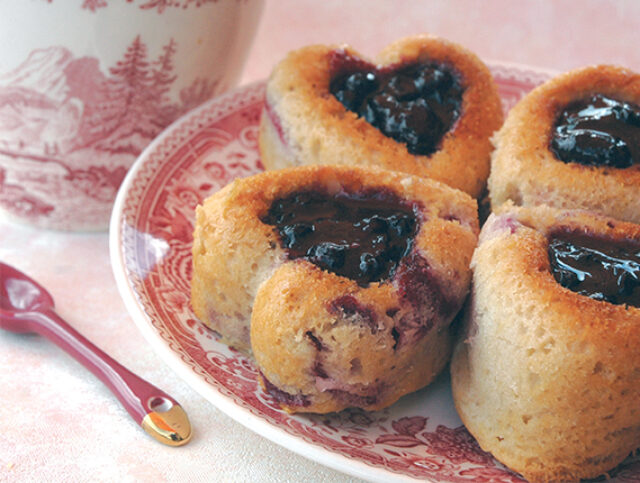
(25,306)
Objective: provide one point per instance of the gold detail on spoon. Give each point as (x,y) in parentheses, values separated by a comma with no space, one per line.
(170,427)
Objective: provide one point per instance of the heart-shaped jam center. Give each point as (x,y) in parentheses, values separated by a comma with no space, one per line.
(597,267)
(415,104)
(598,131)
(361,236)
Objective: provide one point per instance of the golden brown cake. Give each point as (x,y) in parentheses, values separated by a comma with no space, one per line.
(426,107)
(573,142)
(342,281)
(546,373)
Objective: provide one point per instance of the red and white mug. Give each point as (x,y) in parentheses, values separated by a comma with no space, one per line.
(85,85)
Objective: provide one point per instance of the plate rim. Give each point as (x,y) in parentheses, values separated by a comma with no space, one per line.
(224,403)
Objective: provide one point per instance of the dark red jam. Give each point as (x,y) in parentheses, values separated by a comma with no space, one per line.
(361,236)
(284,398)
(597,267)
(415,104)
(347,306)
(598,131)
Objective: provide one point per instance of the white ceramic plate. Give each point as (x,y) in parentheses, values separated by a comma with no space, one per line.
(418,438)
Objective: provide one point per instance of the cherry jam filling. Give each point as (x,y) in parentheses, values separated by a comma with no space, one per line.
(597,267)
(598,131)
(361,236)
(415,104)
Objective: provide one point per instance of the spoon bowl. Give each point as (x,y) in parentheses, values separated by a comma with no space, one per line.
(20,294)
(26,306)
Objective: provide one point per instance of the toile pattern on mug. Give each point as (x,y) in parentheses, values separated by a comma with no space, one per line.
(85,85)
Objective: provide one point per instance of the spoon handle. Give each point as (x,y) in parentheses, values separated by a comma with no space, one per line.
(158,413)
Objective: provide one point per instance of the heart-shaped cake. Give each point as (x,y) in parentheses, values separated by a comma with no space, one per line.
(341,281)
(426,106)
(546,372)
(573,142)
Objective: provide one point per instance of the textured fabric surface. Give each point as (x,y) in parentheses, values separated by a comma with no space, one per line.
(59,423)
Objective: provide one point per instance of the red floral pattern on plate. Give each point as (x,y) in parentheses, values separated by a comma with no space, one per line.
(419,437)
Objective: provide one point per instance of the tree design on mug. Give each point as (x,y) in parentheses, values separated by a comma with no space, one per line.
(64,115)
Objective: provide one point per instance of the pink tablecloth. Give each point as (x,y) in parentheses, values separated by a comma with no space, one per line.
(58,423)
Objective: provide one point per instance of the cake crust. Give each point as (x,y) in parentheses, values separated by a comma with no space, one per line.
(303,123)
(526,171)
